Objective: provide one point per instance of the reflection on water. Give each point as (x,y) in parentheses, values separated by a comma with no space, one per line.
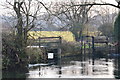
(117,68)
(76,69)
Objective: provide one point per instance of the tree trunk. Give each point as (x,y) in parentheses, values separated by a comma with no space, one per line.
(21,39)
(117,33)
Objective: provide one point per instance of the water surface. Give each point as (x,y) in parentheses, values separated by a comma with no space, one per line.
(101,68)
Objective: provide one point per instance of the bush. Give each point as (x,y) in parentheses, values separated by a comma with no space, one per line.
(69,48)
(34,55)
(8,47)
(12,58)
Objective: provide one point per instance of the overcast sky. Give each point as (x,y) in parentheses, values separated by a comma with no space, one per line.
(3,11)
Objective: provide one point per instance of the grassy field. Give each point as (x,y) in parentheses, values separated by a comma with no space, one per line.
(95,33)
(66,35)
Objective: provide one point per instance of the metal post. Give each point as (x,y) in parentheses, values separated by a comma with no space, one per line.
(93,46)
(93,50)
(84,51)
(82,47)
(60,41)
(89,52)
(39,41)
(81,44)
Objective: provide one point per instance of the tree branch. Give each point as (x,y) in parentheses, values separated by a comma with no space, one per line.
(92,4)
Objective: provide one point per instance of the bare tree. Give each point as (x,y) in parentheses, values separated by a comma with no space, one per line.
(25,20)
(25,15)
(103,15)
(73,17)
(106,15)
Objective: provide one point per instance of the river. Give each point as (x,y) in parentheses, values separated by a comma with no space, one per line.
(99,68)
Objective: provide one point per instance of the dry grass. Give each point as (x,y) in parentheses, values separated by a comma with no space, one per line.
(66,35)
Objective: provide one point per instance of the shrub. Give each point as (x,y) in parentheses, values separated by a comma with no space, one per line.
(69,48)
(34,55)
(12,58)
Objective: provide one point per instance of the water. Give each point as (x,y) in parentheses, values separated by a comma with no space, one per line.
(74,67)
(101,68)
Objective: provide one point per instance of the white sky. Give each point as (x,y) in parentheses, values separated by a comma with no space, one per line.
(4,11)
(109,1)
